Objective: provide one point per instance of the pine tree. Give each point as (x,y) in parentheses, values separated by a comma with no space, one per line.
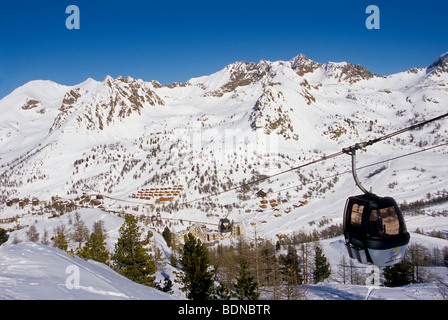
(222,292)
(197,278)
(168,236)
(292,272)
(399,274)
(131,257)
(3,236)
(167,286)
(246,287)
(321,266)
(95,248)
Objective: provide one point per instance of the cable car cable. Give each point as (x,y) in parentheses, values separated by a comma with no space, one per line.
(344,151)
(356,146)
(362,145)
(349,171)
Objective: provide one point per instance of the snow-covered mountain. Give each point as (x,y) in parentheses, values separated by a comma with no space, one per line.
(291,110)
(189,145)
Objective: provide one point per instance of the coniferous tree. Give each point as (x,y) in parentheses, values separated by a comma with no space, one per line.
(399,274)
(168,236)
(321,266)
(246,286)
(268,266)
(167,285)
(292,273)
(277,246)
(132,257)
(222,292)
(3,236)
(95,247)
(196,277)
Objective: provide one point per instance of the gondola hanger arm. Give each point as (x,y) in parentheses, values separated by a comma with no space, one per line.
(352,152)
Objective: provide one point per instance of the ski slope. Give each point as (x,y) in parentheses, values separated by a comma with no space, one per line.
(33,271)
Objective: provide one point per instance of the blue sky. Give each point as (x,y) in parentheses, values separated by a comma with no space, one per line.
(176,40)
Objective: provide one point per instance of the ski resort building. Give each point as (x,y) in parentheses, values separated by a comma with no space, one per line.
(206,235)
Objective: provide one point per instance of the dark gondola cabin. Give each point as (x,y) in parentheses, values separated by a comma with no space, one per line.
(225,225)
(374,229)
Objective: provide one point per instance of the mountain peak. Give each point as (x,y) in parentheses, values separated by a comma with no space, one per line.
(440,65)
(440,60)
(107,79)
(88,84)
(338,70)
(345,71)
(300,58)
(302,65)
(106,103)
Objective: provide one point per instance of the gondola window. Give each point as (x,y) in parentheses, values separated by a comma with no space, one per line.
(384,223)
(356,216)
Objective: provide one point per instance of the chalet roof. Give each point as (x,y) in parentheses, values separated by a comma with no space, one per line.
(261,194)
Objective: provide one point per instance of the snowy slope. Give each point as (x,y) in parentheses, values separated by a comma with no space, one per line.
(358,292)
(31,271)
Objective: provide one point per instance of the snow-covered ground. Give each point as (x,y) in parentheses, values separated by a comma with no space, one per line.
(424,291)
(30,270)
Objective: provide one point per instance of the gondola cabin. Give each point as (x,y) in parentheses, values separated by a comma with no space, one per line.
(225,225)
(374,229)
